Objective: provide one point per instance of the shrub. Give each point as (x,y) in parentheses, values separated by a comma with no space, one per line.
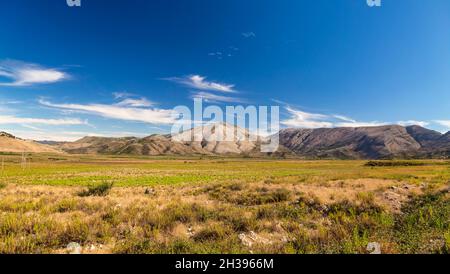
(393,163)
(102,189)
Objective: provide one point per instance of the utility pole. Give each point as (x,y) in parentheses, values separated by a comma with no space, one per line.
(24,161)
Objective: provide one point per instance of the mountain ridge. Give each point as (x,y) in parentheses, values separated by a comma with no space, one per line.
(381,142)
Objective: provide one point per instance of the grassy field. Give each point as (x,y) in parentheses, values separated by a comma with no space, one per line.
(222,205)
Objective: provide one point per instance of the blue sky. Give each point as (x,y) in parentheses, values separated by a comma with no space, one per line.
(117,67)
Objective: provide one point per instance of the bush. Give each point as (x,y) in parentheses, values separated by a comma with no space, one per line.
(102,189)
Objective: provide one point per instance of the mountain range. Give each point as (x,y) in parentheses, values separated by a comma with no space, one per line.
(382,142)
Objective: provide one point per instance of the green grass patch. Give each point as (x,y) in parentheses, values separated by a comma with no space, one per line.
(424,225)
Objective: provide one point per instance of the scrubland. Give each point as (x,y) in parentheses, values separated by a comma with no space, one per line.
(135,205)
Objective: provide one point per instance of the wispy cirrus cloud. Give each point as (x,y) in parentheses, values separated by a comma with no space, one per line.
(210,97)
(200,82)
(127,112)
(17,73)
(445,123)
(303,119)
(130,102)
(345,118)
(344,121)
(10,120)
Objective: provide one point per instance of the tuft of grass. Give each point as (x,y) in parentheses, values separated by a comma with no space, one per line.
(65,205)
(212,233)
(2,185)
(102,189)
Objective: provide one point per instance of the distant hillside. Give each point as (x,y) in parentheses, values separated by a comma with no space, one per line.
(9,143)
(155,145)
(434,144)
(366,142)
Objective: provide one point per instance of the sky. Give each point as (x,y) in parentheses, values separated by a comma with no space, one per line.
(118,67)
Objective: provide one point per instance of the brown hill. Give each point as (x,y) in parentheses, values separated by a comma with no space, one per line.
(425,137)
(9,143)
(364,142)
(433,143)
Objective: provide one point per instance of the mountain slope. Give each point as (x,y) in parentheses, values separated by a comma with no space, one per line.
(219,138)
(364,142)
(434,144)
(425,137)
(93,145)
(9,143)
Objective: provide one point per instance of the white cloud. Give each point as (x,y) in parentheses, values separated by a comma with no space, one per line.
(67,136)
(306,124)
(413,123)
(209,97)
(131,100)
(349,122)
(445,123)
(344,118)
(360,124)
(303,119)
(142,102)
(24,74)
(9,120)
(128,113)
(199,82)
(301,115)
